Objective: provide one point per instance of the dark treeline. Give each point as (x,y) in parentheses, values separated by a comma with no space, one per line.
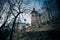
(57,18)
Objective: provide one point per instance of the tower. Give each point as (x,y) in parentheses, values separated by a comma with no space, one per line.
(35,17)
(35,20)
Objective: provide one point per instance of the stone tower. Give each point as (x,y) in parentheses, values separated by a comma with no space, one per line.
(35,17)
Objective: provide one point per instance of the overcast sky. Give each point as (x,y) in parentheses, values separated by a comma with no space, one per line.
(39,5)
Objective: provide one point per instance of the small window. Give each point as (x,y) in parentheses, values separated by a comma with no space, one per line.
(39,15)
(23,26)
(24,19)
(32,15)
(39,26)
(0,17)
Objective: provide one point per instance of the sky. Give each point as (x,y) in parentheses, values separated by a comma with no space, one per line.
(39,5)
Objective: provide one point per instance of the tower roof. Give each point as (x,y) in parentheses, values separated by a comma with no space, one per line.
(34,11)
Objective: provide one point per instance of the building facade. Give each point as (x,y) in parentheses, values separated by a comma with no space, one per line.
(35,17)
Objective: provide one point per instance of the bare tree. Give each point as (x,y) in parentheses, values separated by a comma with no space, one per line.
(18,12)
(12,8)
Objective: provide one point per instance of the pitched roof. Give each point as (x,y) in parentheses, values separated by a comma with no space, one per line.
(35,12)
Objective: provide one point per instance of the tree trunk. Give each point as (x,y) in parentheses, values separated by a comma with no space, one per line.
(13,26)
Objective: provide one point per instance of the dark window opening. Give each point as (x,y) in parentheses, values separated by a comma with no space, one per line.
(32,15)
(39,26)
(0,17)
(24,19)
(39,15)
(23,27)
